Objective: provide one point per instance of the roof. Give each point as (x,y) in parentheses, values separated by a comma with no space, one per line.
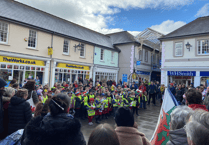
(121,37)
(197,27)
(19,12)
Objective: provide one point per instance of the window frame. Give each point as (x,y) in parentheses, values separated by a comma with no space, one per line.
(174,49)
(1,42)
(112,56)
(146,56)
(84,51)
(68,47)
(141,54)
(201,54)
(102,54)
(36,39)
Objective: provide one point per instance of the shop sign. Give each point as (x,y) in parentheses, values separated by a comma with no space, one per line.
(181,73)
(138,62)
(7,59)
(125,78)
(73,66)
(142,72)
(204,73)
(154,67)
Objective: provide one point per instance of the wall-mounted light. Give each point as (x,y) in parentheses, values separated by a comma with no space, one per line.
(77,46)
(188,46)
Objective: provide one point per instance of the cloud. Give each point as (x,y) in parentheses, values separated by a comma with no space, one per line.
(134,33)
(98,15)
(204,11)
(168,26)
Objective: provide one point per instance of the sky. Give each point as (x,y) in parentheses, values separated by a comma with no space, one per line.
(109,16)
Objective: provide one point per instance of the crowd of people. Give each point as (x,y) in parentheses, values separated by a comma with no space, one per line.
(51,115)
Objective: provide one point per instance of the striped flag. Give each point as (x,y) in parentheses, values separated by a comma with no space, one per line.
(161,133)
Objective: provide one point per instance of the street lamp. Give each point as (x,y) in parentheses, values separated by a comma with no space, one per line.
(188,46)
(77,46)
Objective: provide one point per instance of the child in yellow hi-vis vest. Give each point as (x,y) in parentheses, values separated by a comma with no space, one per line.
(91,110)
(143,100)
(135,104)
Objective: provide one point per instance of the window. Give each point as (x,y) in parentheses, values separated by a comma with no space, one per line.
(66,47)
(112,56)
(178,49)
(32,39)
(82,51)
(102,54)
(146,56)
(3,32)
(140,54)
(154,58)
(203,47)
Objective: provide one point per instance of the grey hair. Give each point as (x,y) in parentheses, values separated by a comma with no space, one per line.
(201,116)
(180,116)
(9,91)
(197,133)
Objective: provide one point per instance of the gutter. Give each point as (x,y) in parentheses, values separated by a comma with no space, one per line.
(52,32)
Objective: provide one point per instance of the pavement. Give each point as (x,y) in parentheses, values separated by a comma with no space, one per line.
(146,121)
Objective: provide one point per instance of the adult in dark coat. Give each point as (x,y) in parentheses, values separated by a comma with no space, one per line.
(179,94)
(152,93)
(2,85)
(19,111)
(172,89)
(30,86)
(57,127)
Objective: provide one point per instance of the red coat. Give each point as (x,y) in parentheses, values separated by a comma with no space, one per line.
(114,83)
(143,88)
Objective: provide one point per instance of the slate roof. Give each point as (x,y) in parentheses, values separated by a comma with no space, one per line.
(197,27)
(19,12)
(121,37)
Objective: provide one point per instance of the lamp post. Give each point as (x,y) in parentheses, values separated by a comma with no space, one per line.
(188,46)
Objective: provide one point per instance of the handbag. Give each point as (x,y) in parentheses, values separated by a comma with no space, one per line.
(32,105)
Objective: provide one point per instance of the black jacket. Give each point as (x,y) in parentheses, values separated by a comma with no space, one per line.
(179,94)
(58,130)
(19,114)
(1,112)
(34,96)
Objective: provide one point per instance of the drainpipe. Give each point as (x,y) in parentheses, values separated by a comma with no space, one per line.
(50,69)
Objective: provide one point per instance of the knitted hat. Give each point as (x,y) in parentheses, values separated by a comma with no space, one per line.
(2,83)
(124,117)
(92,99)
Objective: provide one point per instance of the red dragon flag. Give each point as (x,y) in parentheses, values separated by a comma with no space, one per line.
(161,133)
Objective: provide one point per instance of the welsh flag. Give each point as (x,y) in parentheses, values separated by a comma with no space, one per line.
(161,133)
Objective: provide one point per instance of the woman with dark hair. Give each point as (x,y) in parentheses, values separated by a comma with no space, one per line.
(12,82)
(30,86)
(103,134)
(57,127)
(42,109)
(19,111)
(127,130)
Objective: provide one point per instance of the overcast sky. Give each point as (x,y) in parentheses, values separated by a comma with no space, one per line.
(108,16)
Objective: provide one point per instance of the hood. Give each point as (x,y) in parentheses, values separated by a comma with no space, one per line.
(198,106)
(56,130)
(178,137)
(129,131)
(17,100)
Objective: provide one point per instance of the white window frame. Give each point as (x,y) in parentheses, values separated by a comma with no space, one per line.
(1,42)
(102,54)
(146,56)
(182,49)
(36,39)
(112,56)
(66,53)
(84,51)
(202,46)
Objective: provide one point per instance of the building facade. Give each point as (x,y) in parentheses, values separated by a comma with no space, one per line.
(185,54)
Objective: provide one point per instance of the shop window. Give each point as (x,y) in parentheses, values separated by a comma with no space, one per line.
(82,51)
(65,70)
(3,32)
(38,68)
(66,47)
(16,67)
(32,39)
(102,54)
(3,65)
(140,54)
(146,56)
(179,49)
(9,66)
(112,56)
(33,68)
(22,67)
(203,47)
(27,68)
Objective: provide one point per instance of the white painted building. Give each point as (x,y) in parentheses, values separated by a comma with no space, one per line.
(184,64)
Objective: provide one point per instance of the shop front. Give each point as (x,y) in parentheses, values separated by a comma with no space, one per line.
(23,68)
(69,72)
(181,77)
(204,78)
(105,74)
(143,75)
